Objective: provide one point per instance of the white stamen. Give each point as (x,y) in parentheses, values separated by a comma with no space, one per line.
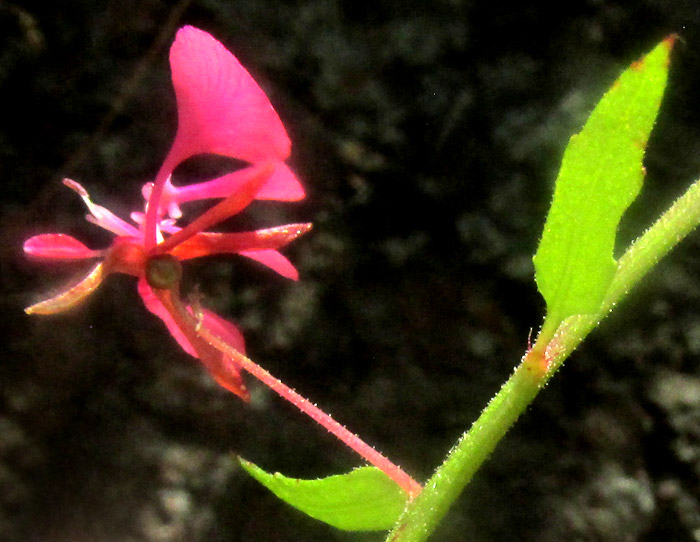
(101,216)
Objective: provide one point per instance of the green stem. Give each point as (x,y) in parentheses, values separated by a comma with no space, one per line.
(537,366)
(472,449)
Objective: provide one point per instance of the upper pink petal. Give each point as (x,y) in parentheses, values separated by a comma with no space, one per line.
(58,246)
(220,108)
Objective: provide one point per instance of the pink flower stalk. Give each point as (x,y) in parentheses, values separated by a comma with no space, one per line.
(221,110)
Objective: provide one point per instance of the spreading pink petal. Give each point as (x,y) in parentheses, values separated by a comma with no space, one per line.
(274,260)
(58,246)
(221,187)
(282,185)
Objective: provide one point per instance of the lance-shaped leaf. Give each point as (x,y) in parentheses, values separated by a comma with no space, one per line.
(600,176)
(364,499)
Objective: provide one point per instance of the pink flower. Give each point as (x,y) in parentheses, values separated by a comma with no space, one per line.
(221,110)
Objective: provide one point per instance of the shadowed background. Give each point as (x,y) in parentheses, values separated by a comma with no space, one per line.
(428,136)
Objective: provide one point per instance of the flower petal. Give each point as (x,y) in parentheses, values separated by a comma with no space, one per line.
(274,260)
(220,108)
(72,296)
(58,246)
(282,185)
(208,243)
(223,369)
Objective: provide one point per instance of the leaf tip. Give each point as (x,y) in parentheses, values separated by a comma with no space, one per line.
(670,40)
(243,462)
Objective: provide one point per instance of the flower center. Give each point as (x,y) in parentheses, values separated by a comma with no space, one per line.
(163,272)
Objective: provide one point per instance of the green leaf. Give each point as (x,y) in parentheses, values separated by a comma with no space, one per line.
(601,174)
(364,499)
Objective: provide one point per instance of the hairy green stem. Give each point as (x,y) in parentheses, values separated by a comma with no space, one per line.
(472,449)
(538,365)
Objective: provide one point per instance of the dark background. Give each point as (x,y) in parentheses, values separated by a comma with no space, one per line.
(428,135)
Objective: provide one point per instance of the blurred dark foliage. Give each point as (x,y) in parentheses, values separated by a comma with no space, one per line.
(428,135)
